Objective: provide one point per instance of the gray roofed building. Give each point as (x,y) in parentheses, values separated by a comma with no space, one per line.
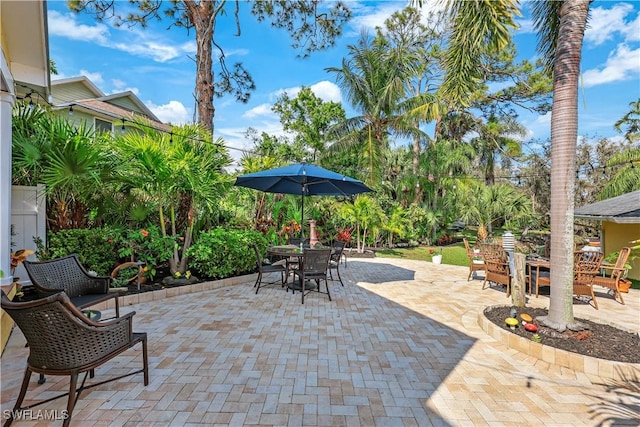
(624,209)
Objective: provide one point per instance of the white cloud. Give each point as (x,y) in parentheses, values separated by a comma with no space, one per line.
(604,23)
(143,43)
(260,110)
(118,84)
(96,78)
(525,26)
(327,91)
(235,139)
(67,26)
(632,31)
(143,48)
(134,90)
(539,127)
(368,18)
(622,64)
(174,112)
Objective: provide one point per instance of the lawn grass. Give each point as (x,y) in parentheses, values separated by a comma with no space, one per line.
(453,254)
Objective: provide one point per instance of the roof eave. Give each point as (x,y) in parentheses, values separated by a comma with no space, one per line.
(617,220)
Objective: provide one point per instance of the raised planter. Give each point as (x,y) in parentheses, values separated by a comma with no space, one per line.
(608,369)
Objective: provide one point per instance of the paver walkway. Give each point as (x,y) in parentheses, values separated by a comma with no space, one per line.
(398,345)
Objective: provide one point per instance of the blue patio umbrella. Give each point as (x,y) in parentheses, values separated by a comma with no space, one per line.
(304,179)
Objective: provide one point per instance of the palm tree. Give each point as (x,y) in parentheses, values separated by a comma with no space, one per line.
(478,26)
(405,32)
(366,214)
(373,78)
(181,173)
(67,159)
(486,205)
(497,139)
(561,27)
(627,178)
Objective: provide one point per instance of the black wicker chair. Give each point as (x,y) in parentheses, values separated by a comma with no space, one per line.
(63,341)
(315,264)
(336,257)
(267,269)
(67,274)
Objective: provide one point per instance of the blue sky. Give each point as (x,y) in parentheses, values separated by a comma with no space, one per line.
(157,65)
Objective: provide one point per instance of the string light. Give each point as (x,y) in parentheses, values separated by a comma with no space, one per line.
(71,110)
(122,129)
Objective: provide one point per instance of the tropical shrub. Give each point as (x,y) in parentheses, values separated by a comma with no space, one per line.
(147,245)
(95,247)
(220,253)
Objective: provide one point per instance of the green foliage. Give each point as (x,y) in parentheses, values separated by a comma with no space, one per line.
(124,277)
(147,245)
(221,253)
(308,117)
(95,248)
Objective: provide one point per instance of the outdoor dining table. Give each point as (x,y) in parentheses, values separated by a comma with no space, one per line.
(294,256)
(291,253)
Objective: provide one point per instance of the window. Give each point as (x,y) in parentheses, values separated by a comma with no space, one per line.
(102,126)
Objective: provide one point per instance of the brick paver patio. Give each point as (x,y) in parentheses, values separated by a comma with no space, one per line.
(398,345)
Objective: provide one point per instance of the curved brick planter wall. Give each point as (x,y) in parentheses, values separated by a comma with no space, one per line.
(577,362)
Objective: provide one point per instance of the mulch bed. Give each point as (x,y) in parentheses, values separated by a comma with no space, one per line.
(599,340)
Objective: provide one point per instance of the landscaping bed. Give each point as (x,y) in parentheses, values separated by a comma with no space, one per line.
(600,340)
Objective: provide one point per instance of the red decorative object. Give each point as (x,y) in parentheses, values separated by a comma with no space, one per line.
(531,327)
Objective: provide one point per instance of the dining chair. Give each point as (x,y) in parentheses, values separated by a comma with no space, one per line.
(496,266)
(315,264)
(476,262)
(612,281)
(336,257)
(267,268)
(63,341)
(585,268)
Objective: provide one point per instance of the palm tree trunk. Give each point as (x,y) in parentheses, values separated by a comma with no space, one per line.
(564,133)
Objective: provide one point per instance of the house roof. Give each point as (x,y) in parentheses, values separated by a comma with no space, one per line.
(25,46)
(133,98)
(620,209)
(113,112)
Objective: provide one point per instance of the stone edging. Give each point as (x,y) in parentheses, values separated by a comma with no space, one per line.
(602,368)
(175,291)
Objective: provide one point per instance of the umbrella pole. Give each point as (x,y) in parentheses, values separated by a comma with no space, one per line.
(302,220)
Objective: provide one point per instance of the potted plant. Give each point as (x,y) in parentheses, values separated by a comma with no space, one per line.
(436,257)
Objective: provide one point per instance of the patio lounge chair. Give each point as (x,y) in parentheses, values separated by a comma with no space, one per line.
(496,266)
(612,281)
(63,341)
(476,263)
(67,274)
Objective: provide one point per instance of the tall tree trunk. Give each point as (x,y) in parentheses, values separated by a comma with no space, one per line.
(204,20)
(564,133)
